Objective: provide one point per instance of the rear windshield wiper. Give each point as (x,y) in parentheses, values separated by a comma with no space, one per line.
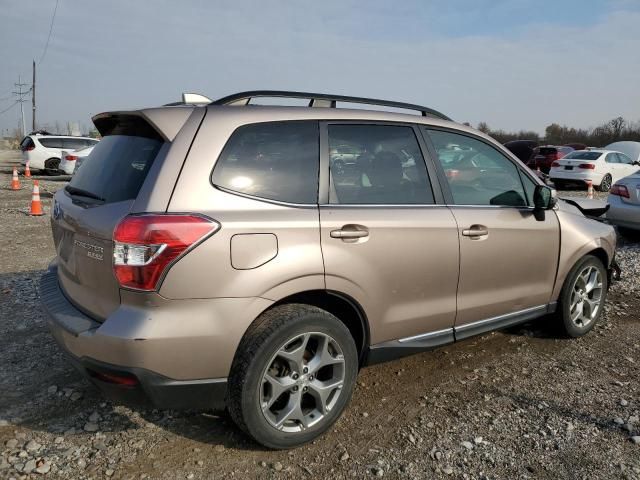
(83,193)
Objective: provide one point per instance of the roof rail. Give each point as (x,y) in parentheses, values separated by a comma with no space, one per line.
(323,100)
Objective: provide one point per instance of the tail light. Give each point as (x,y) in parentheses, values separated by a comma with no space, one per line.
(555,164)
(587,166)
(70,158)
(29,148)
(124,379)
(145,246)
(452,173)
(619,190)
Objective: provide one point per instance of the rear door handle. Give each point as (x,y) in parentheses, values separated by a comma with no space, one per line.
(350,232)
(476,231)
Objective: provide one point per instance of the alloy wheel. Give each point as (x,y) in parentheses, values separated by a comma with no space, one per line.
(302,382)
(586,296)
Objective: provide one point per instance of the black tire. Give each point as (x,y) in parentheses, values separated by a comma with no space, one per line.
(605,185)
(52,166)
(254,356)
(566,326)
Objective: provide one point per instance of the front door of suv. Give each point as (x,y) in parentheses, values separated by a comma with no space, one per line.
(508,258)
(385,241)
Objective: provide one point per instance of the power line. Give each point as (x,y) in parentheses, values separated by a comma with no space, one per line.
(46,46)
(10,107)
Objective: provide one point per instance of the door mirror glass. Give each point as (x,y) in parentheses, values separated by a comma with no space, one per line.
(544,198)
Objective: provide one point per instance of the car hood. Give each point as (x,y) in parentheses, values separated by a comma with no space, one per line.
(631,149)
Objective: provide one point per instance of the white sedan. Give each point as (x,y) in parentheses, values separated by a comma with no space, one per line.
(602,167)
(71,160)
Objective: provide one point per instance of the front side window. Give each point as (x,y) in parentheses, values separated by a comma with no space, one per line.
(376,165)
(477,173)
(275,161)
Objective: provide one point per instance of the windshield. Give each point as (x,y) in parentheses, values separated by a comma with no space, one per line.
(583,155)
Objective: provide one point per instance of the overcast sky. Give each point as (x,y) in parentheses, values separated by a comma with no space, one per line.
(516,64)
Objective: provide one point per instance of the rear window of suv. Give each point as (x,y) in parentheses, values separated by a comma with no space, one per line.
(119,163)
(275,161)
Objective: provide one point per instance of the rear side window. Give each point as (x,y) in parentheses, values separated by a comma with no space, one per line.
(384,167)
(275,161)
(119,163)
(51,142)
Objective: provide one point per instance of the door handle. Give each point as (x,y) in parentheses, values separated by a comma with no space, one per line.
(476,231)
(350,232)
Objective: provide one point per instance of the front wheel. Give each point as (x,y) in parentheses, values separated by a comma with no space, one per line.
(582,298)
(292,376)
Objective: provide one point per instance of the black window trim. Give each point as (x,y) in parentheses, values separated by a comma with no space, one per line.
(449,202)
(262,199)
(325,174)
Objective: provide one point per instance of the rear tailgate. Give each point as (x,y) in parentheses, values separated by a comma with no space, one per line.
(87,210)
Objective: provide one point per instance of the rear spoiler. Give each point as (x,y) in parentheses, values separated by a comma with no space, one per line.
(150,122)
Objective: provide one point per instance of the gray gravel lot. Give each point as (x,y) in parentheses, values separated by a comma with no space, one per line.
(513,404)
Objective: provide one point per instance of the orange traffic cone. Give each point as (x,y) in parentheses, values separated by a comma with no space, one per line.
(27,172)
(589,189)
(15,183)
(36,204)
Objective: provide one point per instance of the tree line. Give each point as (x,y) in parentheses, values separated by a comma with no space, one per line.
(615,130)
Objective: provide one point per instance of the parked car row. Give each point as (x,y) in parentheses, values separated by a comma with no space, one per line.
(44,152)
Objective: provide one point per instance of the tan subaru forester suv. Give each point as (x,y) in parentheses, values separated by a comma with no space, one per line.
(224,254)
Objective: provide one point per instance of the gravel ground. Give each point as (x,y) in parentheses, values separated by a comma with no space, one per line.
(512,404)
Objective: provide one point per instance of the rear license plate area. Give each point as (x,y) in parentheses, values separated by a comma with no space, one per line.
(568,168)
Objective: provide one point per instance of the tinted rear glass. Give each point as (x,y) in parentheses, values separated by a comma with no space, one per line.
(583,155)
(73,143)
(26,143)
(117,166)
(547,150)
(275,161)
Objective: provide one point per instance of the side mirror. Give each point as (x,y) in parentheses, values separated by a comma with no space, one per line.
(544,198)
(636,163)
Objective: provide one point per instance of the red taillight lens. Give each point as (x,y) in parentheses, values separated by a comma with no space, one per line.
(619,190)
(29,148)
(452,173)
(145,245)
(588,166)
(555,164)
(70,158)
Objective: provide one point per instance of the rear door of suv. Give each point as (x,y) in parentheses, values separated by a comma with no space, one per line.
(508,257)
(386,242)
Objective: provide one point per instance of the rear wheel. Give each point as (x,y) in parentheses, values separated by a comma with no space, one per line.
(605,185)
(582,298)
(52,166)
(292,376)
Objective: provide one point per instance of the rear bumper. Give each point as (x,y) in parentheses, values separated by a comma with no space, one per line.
(83,341)
(575,176)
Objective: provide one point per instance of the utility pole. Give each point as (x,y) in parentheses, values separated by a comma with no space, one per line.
(33,99)
(21,99)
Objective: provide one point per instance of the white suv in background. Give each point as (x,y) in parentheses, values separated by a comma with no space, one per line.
(43,152)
